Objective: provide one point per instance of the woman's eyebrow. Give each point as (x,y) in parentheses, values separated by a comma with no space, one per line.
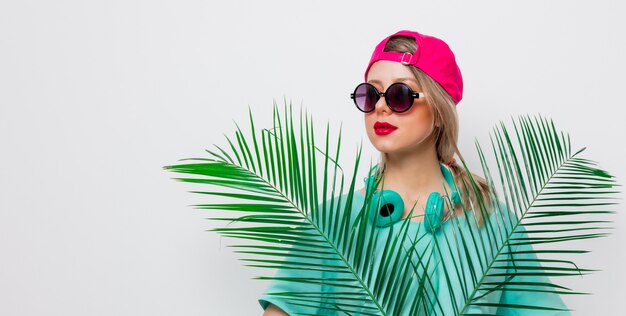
(407,79)
(397,79)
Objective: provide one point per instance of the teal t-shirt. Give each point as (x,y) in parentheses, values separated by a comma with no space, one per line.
(422,244)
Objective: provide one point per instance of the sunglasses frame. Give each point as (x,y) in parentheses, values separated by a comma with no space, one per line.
(414,95)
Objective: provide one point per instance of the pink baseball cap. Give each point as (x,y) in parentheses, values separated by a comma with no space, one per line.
(433,57)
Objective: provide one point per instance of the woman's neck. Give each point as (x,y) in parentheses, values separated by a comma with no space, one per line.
(414,173)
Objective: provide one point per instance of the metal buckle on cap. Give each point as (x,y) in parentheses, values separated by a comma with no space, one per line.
(402,61)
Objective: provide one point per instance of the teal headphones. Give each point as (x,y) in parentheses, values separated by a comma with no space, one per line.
(386,207)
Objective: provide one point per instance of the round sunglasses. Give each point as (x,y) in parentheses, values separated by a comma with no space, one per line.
(399,97)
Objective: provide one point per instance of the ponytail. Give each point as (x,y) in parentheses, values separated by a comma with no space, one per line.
(474,190)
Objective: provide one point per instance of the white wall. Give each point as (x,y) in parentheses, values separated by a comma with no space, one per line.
(97,96)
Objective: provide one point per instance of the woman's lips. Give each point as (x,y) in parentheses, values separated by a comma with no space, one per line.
(383,128)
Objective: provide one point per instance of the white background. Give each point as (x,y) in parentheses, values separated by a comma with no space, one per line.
(97,96)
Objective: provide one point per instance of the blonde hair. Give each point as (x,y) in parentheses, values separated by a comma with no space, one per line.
(447,130)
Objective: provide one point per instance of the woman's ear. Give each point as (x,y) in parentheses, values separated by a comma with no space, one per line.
(438,120)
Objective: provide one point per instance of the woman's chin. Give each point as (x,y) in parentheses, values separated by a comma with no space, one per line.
(387,147)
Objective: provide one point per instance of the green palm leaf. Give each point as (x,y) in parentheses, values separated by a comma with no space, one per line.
(552,193)
(298,219)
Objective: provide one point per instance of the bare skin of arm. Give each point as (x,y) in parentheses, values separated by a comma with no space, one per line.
(273,310)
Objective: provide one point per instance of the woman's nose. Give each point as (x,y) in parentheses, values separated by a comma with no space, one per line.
(381,105)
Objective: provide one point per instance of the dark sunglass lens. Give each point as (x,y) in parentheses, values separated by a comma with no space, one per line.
(399,97)
(365,97)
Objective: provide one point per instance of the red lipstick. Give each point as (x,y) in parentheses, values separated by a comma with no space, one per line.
(383,128)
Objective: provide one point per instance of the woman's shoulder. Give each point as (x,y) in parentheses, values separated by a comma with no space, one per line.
(357,193)
(497,213)
(340,200)
(501,211)
(361,191)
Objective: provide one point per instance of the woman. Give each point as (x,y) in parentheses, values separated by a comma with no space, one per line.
(409,98)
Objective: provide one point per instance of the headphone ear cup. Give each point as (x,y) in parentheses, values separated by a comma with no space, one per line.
(456,195)
(386,208)
(456,198)
(433,214)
